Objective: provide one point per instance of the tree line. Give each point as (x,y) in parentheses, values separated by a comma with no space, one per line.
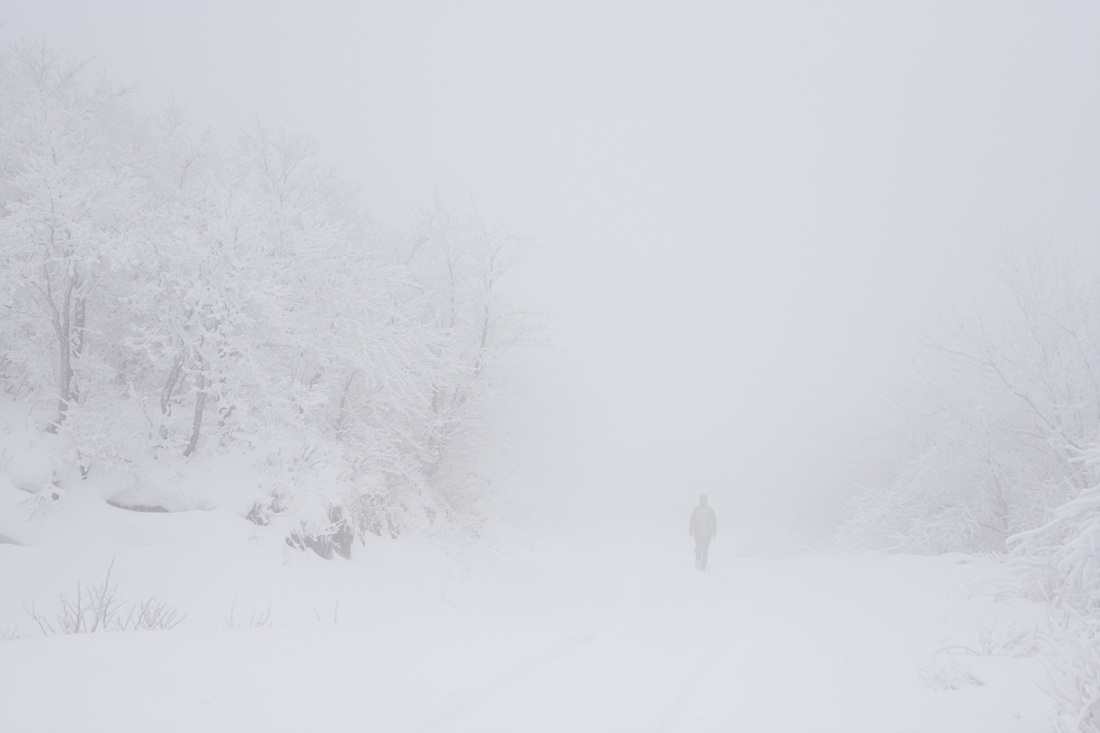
(170,296)
(995,448)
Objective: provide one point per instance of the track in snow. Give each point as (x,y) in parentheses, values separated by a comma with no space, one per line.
(642,671)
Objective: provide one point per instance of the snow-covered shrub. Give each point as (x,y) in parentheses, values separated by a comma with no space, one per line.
(336,536)
(1060,560)
(1012,641)
(1060,564)
(1062,557)
(945,672)
(1073,675)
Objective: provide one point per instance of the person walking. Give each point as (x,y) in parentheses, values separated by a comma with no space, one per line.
(704,527)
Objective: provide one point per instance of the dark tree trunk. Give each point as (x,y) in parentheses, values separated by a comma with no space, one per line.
(200,403)
(62,321)
(170,384)
(80,309)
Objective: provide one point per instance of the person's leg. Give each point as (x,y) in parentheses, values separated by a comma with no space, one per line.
(704,548)
(698,552)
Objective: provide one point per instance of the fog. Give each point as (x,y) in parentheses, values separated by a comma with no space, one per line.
(735,212)
(228,404)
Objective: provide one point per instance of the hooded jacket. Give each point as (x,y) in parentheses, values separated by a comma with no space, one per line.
(703,521)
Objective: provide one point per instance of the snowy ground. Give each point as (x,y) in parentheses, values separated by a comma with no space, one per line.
(555,634)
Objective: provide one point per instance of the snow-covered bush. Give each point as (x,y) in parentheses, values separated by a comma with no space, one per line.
(946,672)
(1060,564)
(1072,660)
(1063,556)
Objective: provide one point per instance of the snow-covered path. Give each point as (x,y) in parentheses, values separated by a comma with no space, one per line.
(640,670)
(821,644)
(575,634)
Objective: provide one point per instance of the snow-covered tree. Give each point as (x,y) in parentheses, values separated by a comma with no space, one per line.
(1008,401)
(1001,439)
(174,298)
(460,265)
(66,234)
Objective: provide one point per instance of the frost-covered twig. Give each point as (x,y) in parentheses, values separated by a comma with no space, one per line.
(257,620)
(10,634)
(101,608)
(950,676)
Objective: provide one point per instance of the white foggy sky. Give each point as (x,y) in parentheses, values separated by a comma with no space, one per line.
(737,208)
